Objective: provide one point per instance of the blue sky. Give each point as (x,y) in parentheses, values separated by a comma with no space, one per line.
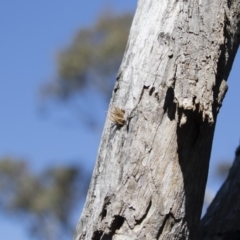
(32,33)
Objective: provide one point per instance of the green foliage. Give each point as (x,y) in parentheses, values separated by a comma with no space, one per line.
(47,199)
(93,58)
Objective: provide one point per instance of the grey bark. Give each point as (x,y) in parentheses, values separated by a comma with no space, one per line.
(222,220)
(150,174)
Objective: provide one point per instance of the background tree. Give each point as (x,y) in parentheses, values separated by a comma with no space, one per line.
(45,200)
(92,59)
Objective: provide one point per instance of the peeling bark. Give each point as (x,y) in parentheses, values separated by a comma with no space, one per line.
(151,171)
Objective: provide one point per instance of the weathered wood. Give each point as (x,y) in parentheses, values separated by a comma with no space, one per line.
(150,174)
(222,220)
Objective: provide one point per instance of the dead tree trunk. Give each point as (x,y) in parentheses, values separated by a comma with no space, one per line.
(222,220)
(151,170)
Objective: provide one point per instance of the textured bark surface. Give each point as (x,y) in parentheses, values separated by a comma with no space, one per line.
(222,220)
(150,174)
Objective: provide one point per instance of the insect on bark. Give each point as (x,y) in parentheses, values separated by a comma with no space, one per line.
(117,116)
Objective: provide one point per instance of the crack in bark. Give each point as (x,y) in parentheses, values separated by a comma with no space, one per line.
(162,226)
(115,225)
(168,217)
(104,208)
(142,92)
(97,235)
(139,221)
(169,104)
